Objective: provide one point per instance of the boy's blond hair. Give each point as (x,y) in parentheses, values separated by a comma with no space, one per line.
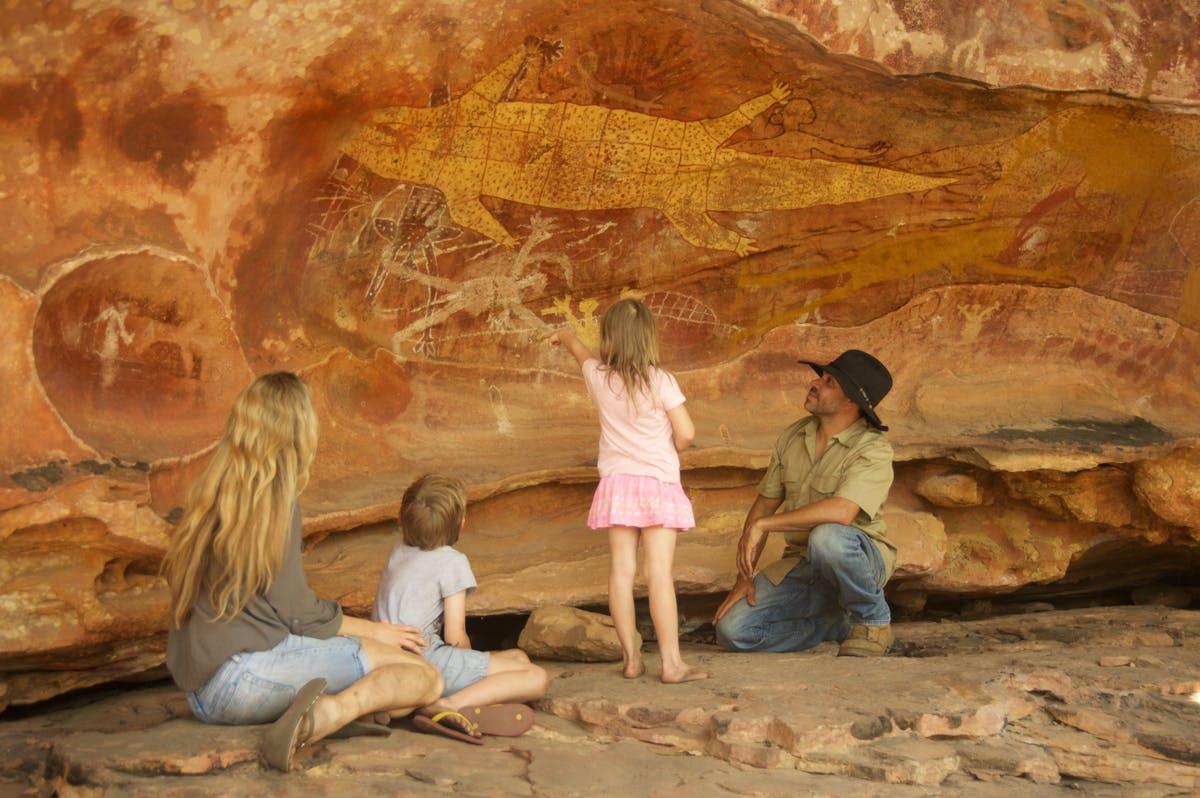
(432,512)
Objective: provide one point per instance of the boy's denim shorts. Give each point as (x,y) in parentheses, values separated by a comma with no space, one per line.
(257,686)
(460,667)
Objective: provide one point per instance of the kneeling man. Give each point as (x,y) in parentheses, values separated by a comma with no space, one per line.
(829,475)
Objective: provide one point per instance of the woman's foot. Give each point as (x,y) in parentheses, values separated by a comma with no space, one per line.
(684,673)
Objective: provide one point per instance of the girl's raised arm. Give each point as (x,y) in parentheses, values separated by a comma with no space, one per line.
(566,336)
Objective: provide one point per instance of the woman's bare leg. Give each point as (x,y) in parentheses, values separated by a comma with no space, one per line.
(398,683)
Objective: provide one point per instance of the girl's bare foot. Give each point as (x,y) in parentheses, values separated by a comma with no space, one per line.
(633,670)
(686,674)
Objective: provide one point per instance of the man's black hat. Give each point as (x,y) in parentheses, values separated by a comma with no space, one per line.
(864,380)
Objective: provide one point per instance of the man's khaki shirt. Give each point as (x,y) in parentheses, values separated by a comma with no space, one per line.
(856,465)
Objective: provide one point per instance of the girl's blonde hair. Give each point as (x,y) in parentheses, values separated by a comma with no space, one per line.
(230,540)
(432,512)
(629,344)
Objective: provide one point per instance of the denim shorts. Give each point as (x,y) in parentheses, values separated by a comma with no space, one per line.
(257,686)
(460,667)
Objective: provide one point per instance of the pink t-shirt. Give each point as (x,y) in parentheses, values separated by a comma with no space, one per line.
(635,436)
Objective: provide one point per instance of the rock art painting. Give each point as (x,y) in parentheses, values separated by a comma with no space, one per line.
(579,157)
(400,200)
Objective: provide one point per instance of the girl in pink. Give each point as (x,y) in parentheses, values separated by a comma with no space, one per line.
(643,427)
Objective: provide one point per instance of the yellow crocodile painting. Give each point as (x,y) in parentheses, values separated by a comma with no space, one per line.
(587,157)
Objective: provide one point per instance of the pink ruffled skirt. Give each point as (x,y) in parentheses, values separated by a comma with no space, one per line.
(640,502)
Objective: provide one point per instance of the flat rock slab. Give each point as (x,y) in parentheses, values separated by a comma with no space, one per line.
(1104,700)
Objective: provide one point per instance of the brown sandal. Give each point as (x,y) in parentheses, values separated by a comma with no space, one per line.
(283,738)
(502,720)
(453,729)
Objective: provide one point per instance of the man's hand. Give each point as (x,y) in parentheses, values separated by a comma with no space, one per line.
(742,589)
(750,548)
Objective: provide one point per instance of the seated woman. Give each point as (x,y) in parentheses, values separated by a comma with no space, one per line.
(249,641)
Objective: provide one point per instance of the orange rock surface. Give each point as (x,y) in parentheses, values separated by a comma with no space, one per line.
(399,202)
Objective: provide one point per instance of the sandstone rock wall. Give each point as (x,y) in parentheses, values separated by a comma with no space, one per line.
(398,201)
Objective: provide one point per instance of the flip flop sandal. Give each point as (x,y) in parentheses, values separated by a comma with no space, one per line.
(435,726)
(501,720)
(280,739)
(360,728)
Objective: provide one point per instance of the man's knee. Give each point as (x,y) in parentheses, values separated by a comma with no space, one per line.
(827,543)
(732,633)
(725,635)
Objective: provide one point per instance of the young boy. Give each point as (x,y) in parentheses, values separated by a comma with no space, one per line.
(425,584)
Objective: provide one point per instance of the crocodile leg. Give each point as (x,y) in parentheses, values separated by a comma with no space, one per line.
(468,212)
(698,228)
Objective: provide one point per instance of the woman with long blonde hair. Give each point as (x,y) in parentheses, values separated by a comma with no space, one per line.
(249,641)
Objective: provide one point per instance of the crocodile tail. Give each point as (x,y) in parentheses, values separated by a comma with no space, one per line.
(752,183)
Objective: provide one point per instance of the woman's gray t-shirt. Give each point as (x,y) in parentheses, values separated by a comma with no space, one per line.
(289,606)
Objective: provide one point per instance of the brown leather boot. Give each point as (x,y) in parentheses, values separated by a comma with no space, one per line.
(867,641)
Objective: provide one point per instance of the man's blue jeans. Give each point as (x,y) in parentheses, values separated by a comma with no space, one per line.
(839,584)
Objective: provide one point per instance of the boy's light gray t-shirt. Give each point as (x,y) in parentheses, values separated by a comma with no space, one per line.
(415,582)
